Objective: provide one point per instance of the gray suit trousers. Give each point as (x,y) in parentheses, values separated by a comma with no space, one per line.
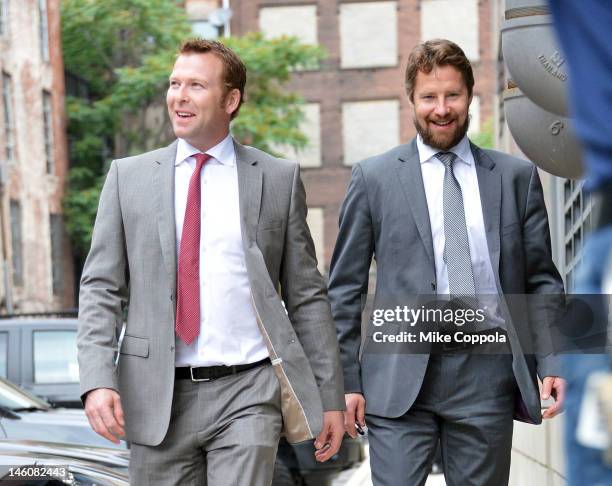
(466,402)
(222,433)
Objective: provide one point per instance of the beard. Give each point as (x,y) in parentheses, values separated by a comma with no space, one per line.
(438,142)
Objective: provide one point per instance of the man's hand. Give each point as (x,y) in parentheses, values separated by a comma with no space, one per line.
(328,441)
(553,386)
(104,412)
(355,413)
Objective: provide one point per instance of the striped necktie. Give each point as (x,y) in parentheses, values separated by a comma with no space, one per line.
(188,276)
(456,247)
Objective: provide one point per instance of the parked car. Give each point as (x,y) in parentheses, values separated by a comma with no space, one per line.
(39,354)
(117,459)
(25,416)
(14,462)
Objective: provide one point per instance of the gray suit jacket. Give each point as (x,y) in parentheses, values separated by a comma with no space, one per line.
(385,214)
(132,262)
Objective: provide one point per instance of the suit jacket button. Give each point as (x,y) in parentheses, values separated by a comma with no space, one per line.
(172,348)
(292,341)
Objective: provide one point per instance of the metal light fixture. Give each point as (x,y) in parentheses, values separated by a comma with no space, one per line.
(533,56)
(546,138)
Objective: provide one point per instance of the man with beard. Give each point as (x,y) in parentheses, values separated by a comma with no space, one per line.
(444,217)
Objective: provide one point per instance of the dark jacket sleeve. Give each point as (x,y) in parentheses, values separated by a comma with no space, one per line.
(349,273)
(543,285)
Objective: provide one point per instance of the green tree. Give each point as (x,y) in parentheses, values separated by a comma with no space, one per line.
(484,138)
(124,51)
(271,114)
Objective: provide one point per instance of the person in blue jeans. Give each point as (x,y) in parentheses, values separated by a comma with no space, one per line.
(585,465)
(584,31)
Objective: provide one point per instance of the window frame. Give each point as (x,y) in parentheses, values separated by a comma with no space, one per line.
(43,30)
(47,109)
(57,239)
(17,253)
(9,117)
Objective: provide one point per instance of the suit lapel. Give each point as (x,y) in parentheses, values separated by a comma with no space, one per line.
(163,182)
(411,178)
(490,187)
(249,191)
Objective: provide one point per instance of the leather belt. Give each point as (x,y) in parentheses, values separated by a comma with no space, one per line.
(210,373)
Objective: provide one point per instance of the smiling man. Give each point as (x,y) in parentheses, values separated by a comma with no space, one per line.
(196,239)
(444,217)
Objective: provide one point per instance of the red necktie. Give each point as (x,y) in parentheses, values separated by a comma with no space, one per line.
(188,278)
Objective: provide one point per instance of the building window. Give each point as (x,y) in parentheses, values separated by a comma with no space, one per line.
(43,30)
(293,21)
(456,20)
(16,243)
(369,128)
(57,239)
(359,47)
(48,128)
(298,21)
(577,215)
(4,17)
(9,127)
(310,126)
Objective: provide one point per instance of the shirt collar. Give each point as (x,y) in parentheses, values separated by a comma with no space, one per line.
(223,152)
(462,150)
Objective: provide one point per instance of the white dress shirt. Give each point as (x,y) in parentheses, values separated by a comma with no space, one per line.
(228,328)
(433,180)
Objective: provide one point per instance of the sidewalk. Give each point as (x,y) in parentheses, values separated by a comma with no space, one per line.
(360,476)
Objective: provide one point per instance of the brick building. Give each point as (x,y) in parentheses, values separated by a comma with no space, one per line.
(37,271)
(355,102)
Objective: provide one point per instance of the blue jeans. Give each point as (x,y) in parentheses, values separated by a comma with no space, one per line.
(585,465)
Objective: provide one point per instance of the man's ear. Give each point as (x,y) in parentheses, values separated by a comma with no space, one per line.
(232,100)
(410,99)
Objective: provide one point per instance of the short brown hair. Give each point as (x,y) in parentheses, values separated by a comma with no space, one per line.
(234,70)
(437,52)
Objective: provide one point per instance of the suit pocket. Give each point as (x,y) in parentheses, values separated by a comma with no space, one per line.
(135,346)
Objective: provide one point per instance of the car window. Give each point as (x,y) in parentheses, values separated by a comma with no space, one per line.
(15,398)
(3,353)
(55,357)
